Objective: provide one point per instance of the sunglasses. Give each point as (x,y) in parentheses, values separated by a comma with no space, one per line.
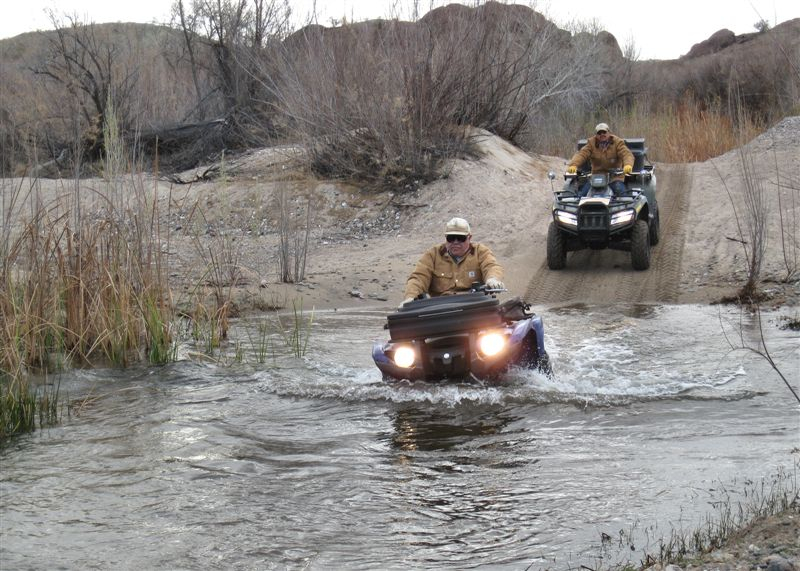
(602,132)
(456,238)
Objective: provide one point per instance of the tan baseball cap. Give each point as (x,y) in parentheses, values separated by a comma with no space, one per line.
(601,127)
(457,227)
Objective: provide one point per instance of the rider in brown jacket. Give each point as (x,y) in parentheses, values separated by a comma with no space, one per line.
(454,265)
(605,151)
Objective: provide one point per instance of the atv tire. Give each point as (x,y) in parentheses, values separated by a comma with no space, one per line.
(640,245)
(556,248)
(655,228)
(544,366)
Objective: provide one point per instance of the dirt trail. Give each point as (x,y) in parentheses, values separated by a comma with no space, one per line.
(363,245)
(607,275)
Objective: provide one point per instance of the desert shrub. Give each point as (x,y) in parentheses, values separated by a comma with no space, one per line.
(350,96)
(224,43)
(387,101)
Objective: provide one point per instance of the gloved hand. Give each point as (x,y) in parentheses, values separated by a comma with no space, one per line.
(405,301)
(494,283)
(627,169)
(572,169)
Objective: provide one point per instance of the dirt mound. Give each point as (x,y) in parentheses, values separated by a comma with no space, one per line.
(506,197)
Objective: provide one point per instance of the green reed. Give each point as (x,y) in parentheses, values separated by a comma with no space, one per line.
(262,345)
(297,333)
(22,405)
(162,347)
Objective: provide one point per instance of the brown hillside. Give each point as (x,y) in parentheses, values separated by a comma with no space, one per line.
(36,116)
(762,66)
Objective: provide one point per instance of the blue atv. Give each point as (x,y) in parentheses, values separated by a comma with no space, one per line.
(468,335)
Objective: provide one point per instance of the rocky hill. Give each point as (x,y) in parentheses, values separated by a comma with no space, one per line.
(763,67)
(37,118)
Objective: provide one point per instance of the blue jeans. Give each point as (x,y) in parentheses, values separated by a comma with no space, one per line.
(617,187)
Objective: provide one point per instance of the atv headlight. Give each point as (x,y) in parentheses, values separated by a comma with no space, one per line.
(404,356)
(622,217)
(566,218)
(491,344)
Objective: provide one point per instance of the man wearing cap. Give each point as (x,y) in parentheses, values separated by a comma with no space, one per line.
(454,265)
(605,151)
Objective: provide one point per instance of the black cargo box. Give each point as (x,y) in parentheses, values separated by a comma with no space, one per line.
(446,314)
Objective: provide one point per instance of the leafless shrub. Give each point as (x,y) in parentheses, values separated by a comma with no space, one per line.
(759,348)
(39,115)
(582,76)
(386,101)
(224,40)
(11,151)
(351,97)
(789,227)
(750,211)
(756,209)
(86,67)
(294,227)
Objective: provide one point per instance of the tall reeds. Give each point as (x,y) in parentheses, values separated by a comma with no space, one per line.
(83,280)
(294,229)
(689,131)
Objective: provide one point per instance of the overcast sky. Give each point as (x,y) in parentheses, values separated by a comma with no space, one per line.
(665,29)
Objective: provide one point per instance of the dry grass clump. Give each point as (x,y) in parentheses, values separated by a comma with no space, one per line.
(83,288)
(689,131)
(758,500)
(83,279)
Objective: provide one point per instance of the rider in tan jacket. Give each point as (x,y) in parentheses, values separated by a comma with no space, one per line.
(454,265)
(605,151)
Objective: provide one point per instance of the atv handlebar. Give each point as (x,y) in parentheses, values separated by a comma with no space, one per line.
(480,287)
(475,287)
(612,172)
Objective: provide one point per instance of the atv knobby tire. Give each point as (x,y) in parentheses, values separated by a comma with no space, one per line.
(544,366)
(640,245)
(556,248)
(655,228)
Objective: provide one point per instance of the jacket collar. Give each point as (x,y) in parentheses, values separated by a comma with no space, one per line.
(443,249)
(597,142)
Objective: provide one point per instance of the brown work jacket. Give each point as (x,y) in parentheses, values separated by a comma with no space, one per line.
(615,156)
(437,273)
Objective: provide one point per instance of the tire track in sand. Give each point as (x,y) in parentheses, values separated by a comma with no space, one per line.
(663,284)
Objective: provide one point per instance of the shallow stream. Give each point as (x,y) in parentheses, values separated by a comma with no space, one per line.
(317,463)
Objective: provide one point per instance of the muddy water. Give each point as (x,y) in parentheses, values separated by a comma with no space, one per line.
(316,463)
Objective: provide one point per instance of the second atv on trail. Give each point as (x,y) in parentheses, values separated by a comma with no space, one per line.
(600,220)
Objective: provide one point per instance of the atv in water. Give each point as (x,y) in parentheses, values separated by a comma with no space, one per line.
(463,336)
(602,219)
